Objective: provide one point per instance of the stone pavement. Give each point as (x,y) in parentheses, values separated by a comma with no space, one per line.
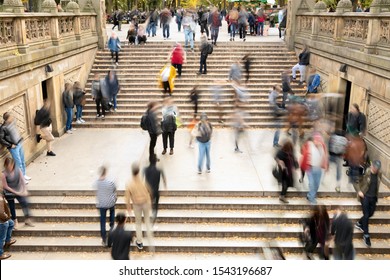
(79,155)
(273,34)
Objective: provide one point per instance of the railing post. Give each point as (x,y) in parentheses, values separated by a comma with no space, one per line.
(73,7)
(373,35)
(20,35)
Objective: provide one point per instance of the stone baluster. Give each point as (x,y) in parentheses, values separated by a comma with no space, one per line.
(319,7)
(373,37)
(343,6)
(50,6)
(13,6)
(73,7)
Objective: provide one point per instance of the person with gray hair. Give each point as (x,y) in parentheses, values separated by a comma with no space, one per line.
(106,198)
(138,199)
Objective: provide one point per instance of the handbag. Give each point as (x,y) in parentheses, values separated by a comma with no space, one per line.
(276,173)
(9,195)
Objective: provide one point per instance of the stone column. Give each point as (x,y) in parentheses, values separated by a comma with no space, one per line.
(50,6)
(20,35)
(98,7)
(12,6)
(73,7)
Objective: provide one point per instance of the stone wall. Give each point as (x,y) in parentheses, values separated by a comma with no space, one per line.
(29,43)
(362,42)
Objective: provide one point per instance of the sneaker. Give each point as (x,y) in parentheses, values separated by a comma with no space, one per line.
(164,152)
(199,172)
(337,189)
(98,116)
(5,256)
(27,178)
(104,243)
(69,131)
(102,117)
(51,154)
(73,129)
(171,152)
(237,150)
(78,122)
(29,223)
(283,199)
(81,120)
(38,138)
(191,146)
(359,226)
(208,170)
(140,246)
(367,240)
(8,244)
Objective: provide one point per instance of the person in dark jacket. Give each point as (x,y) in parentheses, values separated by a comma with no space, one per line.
(356,122)
(194,97)
(113,87)
(79,101)
(119,239)
(204,52)
(286,164)
(247,60)
(215,23)
(43,120)
(67,100)
(304,61)
(368,194)
(6,227)
(153,128)
(286,87)
(152,176)
(342,232)
(165,19)
(97,96)
(11,139)
(168,125)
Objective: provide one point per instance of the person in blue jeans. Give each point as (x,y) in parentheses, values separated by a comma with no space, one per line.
(106,199)
(204,131)
(79,100)
(113,87)
(67,100)
(13,141)
(6,228)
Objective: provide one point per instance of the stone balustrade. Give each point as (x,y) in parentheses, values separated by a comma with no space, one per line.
(367,32)
(22,33)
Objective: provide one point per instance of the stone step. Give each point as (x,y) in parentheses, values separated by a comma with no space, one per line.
(142,255)
(187,230)
(197,216)
(206,203)
(186,245)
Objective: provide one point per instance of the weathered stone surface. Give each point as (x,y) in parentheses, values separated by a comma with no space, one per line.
(72,7)
(344,6)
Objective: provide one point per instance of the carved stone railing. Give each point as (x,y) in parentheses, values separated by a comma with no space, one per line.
(366,32)
(21,33)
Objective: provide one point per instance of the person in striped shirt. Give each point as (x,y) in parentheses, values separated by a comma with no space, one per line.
(106,198)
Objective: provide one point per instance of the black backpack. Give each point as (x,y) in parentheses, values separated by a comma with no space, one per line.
(145,123)
(210,48)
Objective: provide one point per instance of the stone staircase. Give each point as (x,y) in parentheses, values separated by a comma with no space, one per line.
(193,223)
(139,67)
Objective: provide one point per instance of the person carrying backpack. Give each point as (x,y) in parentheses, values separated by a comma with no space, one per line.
(203,131)
(337,146)
(168,125)
(205,49)
(215,24)
(149,123)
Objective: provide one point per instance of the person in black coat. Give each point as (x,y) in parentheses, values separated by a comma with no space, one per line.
(119,239)
(342,232)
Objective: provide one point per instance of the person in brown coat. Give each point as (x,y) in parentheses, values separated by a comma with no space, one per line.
(6,227)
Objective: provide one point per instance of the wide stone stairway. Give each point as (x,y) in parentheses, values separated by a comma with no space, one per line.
(139,67)
(192,224)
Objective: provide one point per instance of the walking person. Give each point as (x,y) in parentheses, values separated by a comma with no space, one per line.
(189,26)
(239,128)
(356,122)
(114,45)
(203,131)
(337,147)
(14,187)
(113,87)
(282,20)
(233,22)
(43,120)
(6,227)
(203,19)
(194,98)
(105,200)
(286,165)
(165,19)
(315,158)
(235,71)
(260,19)
(11,139)
(304,61)
(120,239)
(179,18)
(368,194)
(215,23)
(178,57)
(168,125)
(204,52)
(286,87)
(67,100)
(247,60)
(342,233)
(152,176)
(167,79)
(152,127)
(97,96)
(277,110)
(242,22)
(138,199)
(79,100)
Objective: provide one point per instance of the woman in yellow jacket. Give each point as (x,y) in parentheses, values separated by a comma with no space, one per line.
(166,79)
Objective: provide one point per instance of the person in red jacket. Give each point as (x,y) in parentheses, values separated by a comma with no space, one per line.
(178,57)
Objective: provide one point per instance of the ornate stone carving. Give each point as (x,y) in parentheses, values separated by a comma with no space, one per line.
(13,6)
(49,6)
(380,6)
(7,32)
(384,32)
(344,6)
(85,23)
(72,7)
(305,23)
(320,7)
(88,8)
(378,119)
(17,108)
(356,29)
(65,25)
(37,29)
(327,26)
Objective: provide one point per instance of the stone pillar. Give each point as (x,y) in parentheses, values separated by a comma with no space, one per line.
(344,6)
(295,7)
(73,7)
(373,36)
(98,7)
(338,31)
(49,6)
(380,6)
(20,35)
(319,7)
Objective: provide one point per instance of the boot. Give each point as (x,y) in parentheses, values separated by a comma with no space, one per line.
(164,152)
(171,152)
(283,199)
